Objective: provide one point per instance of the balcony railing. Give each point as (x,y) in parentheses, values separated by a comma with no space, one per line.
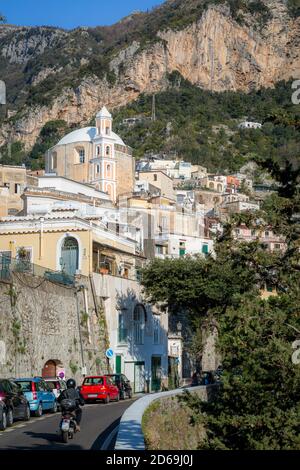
(8,266)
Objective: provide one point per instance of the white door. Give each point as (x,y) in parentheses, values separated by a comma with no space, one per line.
(139,377)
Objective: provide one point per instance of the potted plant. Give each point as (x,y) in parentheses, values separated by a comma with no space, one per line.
(23,263)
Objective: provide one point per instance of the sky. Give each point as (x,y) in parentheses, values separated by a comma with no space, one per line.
(70,13)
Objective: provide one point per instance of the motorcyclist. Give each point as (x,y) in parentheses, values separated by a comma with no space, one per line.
(73,394)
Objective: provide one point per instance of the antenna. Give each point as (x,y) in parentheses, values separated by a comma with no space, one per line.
(153,108)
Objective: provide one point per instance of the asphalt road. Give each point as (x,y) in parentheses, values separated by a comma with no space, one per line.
(98,421)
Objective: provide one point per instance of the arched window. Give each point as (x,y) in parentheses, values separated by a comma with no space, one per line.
(107,150)
(211,185)
(139,319)
(108,171)
(53,161)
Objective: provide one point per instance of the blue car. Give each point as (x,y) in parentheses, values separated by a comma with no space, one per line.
(38,394)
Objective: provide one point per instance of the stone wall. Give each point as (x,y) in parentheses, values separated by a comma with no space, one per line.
(39,322)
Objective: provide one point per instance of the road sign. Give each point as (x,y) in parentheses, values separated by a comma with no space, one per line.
(109,353)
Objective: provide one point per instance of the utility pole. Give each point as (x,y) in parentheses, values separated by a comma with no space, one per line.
(153,109)
(79,331)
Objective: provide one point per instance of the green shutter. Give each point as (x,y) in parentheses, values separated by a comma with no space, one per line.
(205,249)
(118,364)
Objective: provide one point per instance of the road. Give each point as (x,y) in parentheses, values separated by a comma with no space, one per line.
(98,420)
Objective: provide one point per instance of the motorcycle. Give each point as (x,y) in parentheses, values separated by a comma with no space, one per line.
(68,420)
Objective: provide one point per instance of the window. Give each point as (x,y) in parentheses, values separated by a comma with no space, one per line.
(159,249)
(237,231)
(122,330)
(156,329)
(267,234)
(205,249)
(154,177)
(81,156)
(107,130)
(17,188)
(164,222)
(5,257)
(253,233)
(181,248)
(139,316)
(277,246)
(98,150)
(93,381)
(53,160)
(24,254)
(12,211)
(107,150)
(97,169)
(108,171)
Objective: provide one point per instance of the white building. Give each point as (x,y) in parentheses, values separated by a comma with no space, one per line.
(137,334)
(250,125)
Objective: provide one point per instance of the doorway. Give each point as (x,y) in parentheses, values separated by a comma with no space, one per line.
(156,373)
(139,377)
(70,256)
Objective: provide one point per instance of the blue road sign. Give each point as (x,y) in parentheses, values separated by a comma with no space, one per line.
(109,353)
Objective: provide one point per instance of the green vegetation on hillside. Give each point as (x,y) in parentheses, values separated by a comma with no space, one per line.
(199,126)
(294,7)
(202,127)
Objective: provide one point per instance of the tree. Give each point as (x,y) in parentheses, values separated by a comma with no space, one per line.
(257,405)
(2,18)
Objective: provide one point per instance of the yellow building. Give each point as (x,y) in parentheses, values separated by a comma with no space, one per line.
(94,155)
(160,180)
(12,183)
(62,229)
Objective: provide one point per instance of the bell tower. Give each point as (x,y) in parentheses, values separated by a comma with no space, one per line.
(104,123)
(104,154)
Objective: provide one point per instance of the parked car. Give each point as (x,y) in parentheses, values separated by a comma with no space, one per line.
(14,404)
(99,388)
(39,395)
(56,385)
(123,384)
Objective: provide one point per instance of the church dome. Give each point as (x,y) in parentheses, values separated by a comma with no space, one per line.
(87,134)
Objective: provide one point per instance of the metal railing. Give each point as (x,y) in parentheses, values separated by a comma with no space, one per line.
(10,265)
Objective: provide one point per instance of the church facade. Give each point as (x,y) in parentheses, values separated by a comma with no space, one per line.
(96,156)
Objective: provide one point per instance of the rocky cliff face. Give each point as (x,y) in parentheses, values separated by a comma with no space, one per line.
(215,52)
(23,44)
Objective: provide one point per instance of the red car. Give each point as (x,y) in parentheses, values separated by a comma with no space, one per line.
(99,388)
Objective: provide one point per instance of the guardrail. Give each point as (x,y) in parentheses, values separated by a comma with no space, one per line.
(130,435)
(10,265)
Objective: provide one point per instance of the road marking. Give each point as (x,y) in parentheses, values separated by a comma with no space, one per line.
(109,438)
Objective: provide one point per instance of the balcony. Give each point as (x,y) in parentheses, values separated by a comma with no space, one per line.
(8,266)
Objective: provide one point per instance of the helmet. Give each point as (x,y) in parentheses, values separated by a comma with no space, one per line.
(71,383)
